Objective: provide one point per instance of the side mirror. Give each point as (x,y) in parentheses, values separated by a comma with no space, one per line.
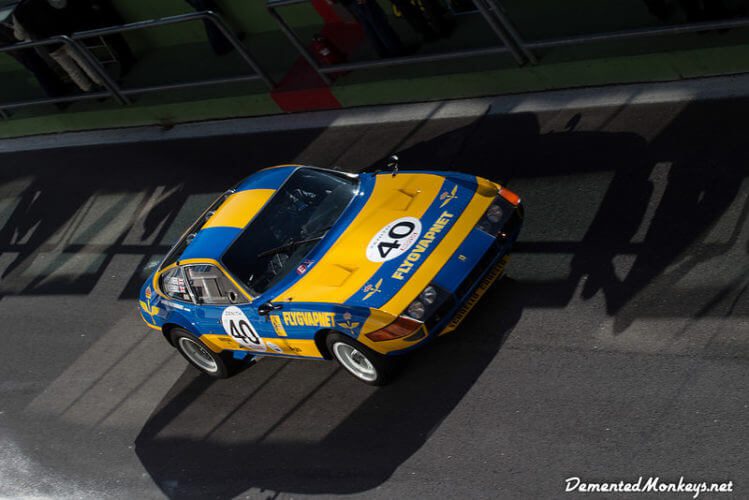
(393,162)
(267,308)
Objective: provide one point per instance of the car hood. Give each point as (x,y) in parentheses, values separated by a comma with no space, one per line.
(395,238)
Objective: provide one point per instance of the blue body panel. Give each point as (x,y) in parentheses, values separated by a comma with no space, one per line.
(472,250)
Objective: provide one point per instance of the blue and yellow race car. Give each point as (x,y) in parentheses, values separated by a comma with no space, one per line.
(305,262)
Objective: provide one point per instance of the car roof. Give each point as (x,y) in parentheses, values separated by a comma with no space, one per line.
(239,208)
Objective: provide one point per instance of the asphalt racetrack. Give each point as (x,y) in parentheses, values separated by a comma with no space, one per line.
(616,347)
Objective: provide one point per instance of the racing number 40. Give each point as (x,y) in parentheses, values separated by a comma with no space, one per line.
(399,231)
(242,331)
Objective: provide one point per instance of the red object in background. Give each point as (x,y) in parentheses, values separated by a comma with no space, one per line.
(326,52)
(302,89)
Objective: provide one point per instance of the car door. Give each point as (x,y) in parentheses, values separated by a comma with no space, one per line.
(224,310)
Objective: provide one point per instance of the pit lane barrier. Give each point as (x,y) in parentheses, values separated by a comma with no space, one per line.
(491,10)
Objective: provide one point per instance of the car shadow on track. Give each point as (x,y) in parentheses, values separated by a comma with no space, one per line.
(337,437)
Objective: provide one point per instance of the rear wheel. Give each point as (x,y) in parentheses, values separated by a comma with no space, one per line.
(359,360)
(219,365)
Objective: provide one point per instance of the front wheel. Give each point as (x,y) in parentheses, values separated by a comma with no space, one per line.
(219,365)
(359,360)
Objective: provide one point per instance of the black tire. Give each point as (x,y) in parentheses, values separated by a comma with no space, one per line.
(376,370)
(224,365)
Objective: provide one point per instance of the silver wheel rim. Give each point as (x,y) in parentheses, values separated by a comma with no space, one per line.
(198,354)
(355,361)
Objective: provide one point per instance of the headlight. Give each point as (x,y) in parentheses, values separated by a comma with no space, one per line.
(494,214)
(429,295)
(416,309)
(427,303)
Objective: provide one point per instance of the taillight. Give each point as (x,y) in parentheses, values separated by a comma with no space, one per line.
(397,329)
(509,196)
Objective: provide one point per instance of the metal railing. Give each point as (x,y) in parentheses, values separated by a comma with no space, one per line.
(493,13)
(504,28)
(499,23)
(122,94)
(678,29)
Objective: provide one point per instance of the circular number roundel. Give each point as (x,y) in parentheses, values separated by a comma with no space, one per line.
(238,327)
(394,239)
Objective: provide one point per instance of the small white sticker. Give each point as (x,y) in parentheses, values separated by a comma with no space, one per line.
(175,285)
(274,347)
(238,327)
(394,239)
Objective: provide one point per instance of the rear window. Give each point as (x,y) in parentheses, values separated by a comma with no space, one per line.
(288,228)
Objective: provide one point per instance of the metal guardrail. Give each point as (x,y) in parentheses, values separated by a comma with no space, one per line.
(503,26)
(499,23)
(679,29)
(111,86)
(492,11)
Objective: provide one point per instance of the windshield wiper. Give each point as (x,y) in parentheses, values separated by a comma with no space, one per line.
(293,244)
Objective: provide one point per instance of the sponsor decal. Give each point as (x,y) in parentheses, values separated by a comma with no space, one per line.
(302,268)
(238,327)
(148,293)
(308,318)
(274,347)
(423,245)
(348,324)
(449,196)
(394,239)
(371,289)
(277,325)
(175,305)
(149,309)
(174,285)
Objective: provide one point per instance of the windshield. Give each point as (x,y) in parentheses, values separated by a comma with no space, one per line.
(288,227)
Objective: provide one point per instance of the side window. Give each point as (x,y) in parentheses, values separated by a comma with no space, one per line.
(173,284)
(211,286)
